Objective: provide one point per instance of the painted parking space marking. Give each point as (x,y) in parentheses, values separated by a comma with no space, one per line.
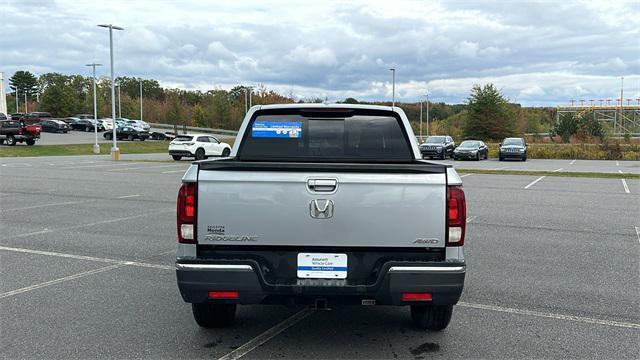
(41,206)
(572,162)
(581,319)
(173,171)
(558,170)
(626,187)
(637,233)
(128,196)
(534,182)
(465,175)
(146,167)
(470,219)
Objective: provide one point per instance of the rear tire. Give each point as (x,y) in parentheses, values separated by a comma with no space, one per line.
(226,152)
(11,141)
(431,317)
(30,142)
(87,129)
(200,154)
(109,136)
(214,315)
(176,157)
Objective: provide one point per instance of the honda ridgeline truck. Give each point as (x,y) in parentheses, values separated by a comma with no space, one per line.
(321,205)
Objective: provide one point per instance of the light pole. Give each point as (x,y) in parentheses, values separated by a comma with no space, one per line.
(96,147)
(420,119)
(17,108)
(427,95)
(26,103)
(140,99)
(393,87)
(119,103)
(115,152)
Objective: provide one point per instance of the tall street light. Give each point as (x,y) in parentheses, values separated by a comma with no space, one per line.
(96,147)
(26,103)
(115,152)
(427,95)
(119,103)
(140,99)
(393,87)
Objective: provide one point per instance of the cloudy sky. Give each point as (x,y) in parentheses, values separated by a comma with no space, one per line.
(538,53)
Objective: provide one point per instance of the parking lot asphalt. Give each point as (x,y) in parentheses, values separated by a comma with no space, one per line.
(87,248)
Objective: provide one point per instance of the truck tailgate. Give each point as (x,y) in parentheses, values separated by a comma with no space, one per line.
(303,208)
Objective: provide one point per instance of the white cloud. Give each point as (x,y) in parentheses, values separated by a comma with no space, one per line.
(310,55)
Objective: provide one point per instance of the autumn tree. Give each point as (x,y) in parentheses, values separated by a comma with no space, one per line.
(488,115)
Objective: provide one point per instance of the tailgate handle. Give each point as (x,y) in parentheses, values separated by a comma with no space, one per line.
(322,185)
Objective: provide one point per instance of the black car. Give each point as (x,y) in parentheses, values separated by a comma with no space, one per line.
(3,116)
(17,116)
(513,148)
(54,125)
(85,125)
(472,150)
(157,136)
(439,146)
(127,132)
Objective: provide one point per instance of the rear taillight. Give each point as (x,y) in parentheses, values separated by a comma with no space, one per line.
(187,213)
(417,297)
(223,295)
(456,216)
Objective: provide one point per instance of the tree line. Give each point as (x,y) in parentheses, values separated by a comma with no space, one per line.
(486,115)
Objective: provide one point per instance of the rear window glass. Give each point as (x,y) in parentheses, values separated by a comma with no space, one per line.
(290,137)
(183,138)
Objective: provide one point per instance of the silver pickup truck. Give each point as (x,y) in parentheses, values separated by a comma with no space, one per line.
(321,205)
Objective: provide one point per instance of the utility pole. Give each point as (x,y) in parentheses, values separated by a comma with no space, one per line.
(621,99)
(96,147)
(246,99)
(115,152)
(119,104)
(393,87)
(17,108)
(26,103)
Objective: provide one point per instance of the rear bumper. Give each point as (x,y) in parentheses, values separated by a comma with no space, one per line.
(443,281)
(180,152)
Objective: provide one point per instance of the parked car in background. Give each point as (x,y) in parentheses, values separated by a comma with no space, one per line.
(107,124)
(472,150)
(17,116)
(513,148)
(54,126)
(70,120)
(157,136)
(15,131)
(439,147)
(141,124)
(85,125)
(198,146)
(35,117)
(127,132)
(84,116)
(3,116)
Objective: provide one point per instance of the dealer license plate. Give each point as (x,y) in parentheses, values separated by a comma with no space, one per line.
(322,266)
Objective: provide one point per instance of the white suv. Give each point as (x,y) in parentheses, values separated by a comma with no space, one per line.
(198,146)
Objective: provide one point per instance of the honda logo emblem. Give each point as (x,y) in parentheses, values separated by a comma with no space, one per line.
(321,208)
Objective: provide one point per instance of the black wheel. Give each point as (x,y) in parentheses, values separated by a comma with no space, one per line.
(431,317)
(141,139)
(500,158)
(11,141)
(130,137)
(200,154)
(176,157)
(226,152)
(87,129)
(108,136)
(30,142)
(524,158)
(214,315)
(478,157)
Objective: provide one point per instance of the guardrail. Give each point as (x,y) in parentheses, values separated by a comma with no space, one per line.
(184,129)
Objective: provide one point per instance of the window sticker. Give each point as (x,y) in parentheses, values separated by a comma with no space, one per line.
(277,129)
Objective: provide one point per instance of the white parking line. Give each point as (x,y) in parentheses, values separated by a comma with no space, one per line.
(572,162)
(620,171)
(41,206)
(103,165)
(557,170)
(57,281)
(534,182)
(470,219)
(181,171)
(551,315)
(637,233)
(267,335)
(46,231)
(146,167)
(617,163)
(127,196)
(626,188)
(500,168)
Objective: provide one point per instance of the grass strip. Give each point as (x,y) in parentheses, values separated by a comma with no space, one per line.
(129,147)
(550,173)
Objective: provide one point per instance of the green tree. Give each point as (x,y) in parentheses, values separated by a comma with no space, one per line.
(59,100)
(566,127)
(24,81)
(488,114)
(199,117)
